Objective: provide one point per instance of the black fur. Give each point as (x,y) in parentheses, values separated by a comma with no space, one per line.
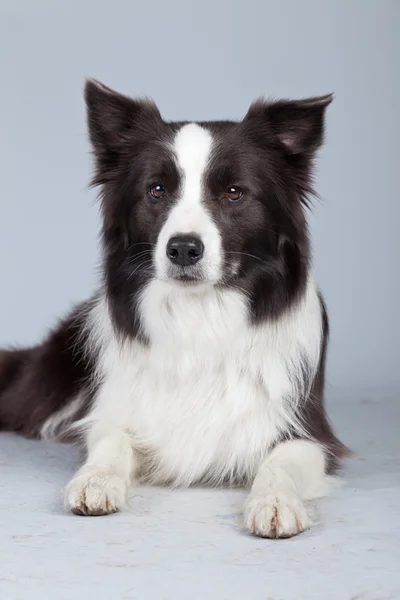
(37,382)
(269,155)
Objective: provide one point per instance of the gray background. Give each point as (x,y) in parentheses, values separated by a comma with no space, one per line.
(207,61)
(198,62)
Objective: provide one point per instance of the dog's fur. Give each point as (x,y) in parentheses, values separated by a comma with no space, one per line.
(209,372)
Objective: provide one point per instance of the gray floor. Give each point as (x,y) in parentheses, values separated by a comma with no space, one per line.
(188,543)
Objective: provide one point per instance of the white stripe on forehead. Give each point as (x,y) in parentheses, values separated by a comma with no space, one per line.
(189,215)
(193,145)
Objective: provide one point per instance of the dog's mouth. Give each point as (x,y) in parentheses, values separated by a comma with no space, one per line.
(195,276)
(187,279)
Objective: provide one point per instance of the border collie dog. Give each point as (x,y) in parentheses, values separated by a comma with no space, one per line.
(201,358)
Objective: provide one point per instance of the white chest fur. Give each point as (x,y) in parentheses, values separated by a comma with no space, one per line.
(211,393)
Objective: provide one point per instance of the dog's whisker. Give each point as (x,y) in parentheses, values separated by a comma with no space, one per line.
(245,254)
(139,257)
(141,244)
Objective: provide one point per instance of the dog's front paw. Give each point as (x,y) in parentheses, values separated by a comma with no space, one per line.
(275,515)
(96,493)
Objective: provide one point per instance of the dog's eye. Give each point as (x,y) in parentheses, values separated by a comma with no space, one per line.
(157,191)
(233,193)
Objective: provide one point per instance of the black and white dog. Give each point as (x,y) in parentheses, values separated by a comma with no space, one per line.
(201,358)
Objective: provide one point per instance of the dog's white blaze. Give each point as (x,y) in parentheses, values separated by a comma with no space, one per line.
(192,148)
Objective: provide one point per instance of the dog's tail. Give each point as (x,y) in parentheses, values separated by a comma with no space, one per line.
(13,366)
(53,380)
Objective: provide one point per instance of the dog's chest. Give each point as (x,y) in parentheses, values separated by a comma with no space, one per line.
(210,393)
(203,416)
(198,399)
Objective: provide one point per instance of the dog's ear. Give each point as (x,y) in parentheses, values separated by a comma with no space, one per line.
(112,117)
(298,124)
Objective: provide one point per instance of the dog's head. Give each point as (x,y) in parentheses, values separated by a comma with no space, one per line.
(208,203)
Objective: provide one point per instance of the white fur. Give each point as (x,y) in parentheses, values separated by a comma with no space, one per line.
(205,401)
(101,485)
(293,472)
(192,148)
(59,421)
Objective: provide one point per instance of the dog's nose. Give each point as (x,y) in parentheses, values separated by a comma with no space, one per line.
(185,250)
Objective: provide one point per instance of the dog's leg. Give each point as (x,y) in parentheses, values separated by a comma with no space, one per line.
(101,485)
(293,472)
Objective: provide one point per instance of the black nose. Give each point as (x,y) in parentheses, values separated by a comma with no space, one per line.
(185,250)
